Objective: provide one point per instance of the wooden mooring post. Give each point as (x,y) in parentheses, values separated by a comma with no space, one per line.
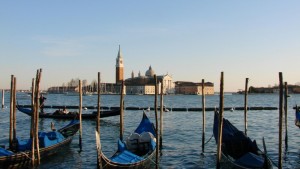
(3,98)
(98,105)
(15,113)
(203,115)
(221,107)
(11,112)
(37,107)
(161,112)
(280,120)
(285,112)
(80,113)
(156,123)
(98,135)
(122,111)
(32,125)
(246,105)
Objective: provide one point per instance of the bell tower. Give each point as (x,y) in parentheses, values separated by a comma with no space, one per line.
(119,67)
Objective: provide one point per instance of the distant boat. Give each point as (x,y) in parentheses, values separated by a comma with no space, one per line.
(238,150)
(71,115)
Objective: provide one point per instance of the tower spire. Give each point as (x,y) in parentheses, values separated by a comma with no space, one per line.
(119,53)
(119,67)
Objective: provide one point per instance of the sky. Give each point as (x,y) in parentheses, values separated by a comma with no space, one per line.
(190,40)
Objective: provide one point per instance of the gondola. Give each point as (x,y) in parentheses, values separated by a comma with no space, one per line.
(135,152)
(297,114)
(238,150)
(50,143)
(71,115)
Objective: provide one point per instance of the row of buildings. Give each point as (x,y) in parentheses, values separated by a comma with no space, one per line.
(275,89)
(145,84)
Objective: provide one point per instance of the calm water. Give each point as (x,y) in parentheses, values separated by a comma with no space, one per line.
(182,130)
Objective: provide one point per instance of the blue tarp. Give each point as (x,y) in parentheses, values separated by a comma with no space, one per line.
(126,157)
(145,126)
(4,152)
(46,139)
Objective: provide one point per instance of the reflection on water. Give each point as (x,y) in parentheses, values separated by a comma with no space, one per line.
(182,130)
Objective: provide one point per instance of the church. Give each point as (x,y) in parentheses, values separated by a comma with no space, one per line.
(142,84)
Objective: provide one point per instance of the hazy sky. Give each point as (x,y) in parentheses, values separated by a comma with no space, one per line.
(191,40)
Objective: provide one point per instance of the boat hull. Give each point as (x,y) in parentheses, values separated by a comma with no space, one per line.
(144,161)
(238,148)
(23,159)
(93,115)
(148,162)
(228,163)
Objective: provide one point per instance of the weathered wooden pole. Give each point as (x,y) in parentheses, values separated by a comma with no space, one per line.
(32,108)
(221,109)
(98,107)
(98,135)
(246,105)
(285,112)
(156,122)
(80,113)
(280,120)
(32,127)
(33,93)
(122,111)
(14,112)
(161,111)
(37,106)
(2,98)
(11,112)
(203,115)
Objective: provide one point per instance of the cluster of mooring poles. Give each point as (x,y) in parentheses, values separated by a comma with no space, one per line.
(34,125)
(283,104)
(13,144)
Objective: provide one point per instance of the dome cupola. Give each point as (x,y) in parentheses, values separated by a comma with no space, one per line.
(150,72)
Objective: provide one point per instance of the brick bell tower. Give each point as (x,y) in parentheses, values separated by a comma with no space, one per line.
(119,67)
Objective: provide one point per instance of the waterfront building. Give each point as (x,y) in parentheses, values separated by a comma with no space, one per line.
(63,89)
(144,85)
(274,89)
(192,88)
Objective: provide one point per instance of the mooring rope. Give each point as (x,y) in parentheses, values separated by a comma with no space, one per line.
(209,139)
(153,161)
(26,155)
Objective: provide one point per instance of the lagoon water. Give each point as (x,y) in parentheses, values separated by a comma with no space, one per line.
(182,130)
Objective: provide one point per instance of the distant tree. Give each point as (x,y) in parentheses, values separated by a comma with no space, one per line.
(94,85)
(84,82)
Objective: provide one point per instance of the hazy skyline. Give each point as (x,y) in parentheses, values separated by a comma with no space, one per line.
(190,40)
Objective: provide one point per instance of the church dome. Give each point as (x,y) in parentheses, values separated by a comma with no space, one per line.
(150,72)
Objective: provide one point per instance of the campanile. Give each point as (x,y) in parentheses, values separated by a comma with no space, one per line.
(119,67)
